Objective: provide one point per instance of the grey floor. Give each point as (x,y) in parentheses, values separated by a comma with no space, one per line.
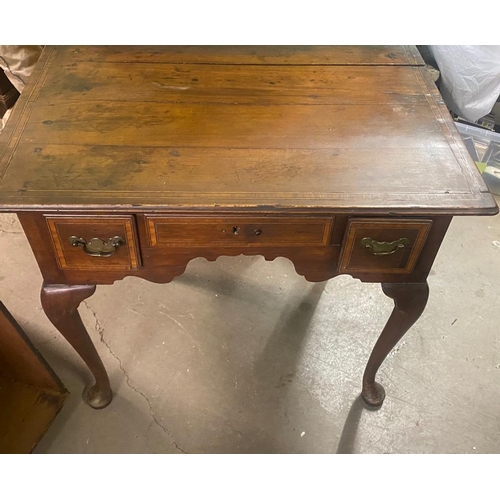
(244,356)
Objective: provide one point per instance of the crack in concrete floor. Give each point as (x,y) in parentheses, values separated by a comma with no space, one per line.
(100,330)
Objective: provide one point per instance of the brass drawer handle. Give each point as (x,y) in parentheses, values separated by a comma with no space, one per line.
(97,247)
(384,247)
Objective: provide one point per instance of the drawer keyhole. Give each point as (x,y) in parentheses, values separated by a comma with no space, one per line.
(235,230)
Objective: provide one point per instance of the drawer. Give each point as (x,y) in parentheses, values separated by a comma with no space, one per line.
(230,231)
(383,245)
(97,243)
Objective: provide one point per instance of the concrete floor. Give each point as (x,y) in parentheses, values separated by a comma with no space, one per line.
(244,356)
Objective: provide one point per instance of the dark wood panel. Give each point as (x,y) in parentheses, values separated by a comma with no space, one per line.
(215,171)
(19,360)
(62,228)
(224,84)
(403,157)
(161,264)
(26,413)
(356,257)
(209,176)
(31,394)
(242,126)
(238,231)
(257,54)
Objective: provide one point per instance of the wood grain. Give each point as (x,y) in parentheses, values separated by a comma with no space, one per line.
(187,83)
(239,55)
(19,360)
(162,263)
(62,228)
(355,257)
(243,126)
(299,127)
(194,177)
(31,394)
(238,231)
(27,412)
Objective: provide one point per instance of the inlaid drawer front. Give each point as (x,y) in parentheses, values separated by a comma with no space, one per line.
(238,231)
(94,242)
(383,245)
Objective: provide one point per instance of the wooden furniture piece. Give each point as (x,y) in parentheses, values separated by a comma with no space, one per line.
(31,394)
(8,93)
(131,161)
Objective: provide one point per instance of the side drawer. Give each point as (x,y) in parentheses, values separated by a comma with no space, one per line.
(95,242)
(383,245)
(238,231)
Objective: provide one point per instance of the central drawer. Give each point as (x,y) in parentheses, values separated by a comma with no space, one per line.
(238,231)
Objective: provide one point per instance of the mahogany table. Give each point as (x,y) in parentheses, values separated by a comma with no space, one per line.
(132,161)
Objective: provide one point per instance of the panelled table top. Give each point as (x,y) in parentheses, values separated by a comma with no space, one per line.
(352,128)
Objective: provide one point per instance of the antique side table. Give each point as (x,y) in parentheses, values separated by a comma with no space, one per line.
(132,161)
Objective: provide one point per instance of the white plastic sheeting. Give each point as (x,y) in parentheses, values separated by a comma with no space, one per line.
(470,77)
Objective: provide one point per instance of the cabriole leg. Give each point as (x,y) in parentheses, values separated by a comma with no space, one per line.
(409,303)
(60,303)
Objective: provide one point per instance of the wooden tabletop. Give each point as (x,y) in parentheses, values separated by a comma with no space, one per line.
(349,128)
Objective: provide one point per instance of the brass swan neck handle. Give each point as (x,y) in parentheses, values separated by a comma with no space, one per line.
(96,247)
(384,247)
